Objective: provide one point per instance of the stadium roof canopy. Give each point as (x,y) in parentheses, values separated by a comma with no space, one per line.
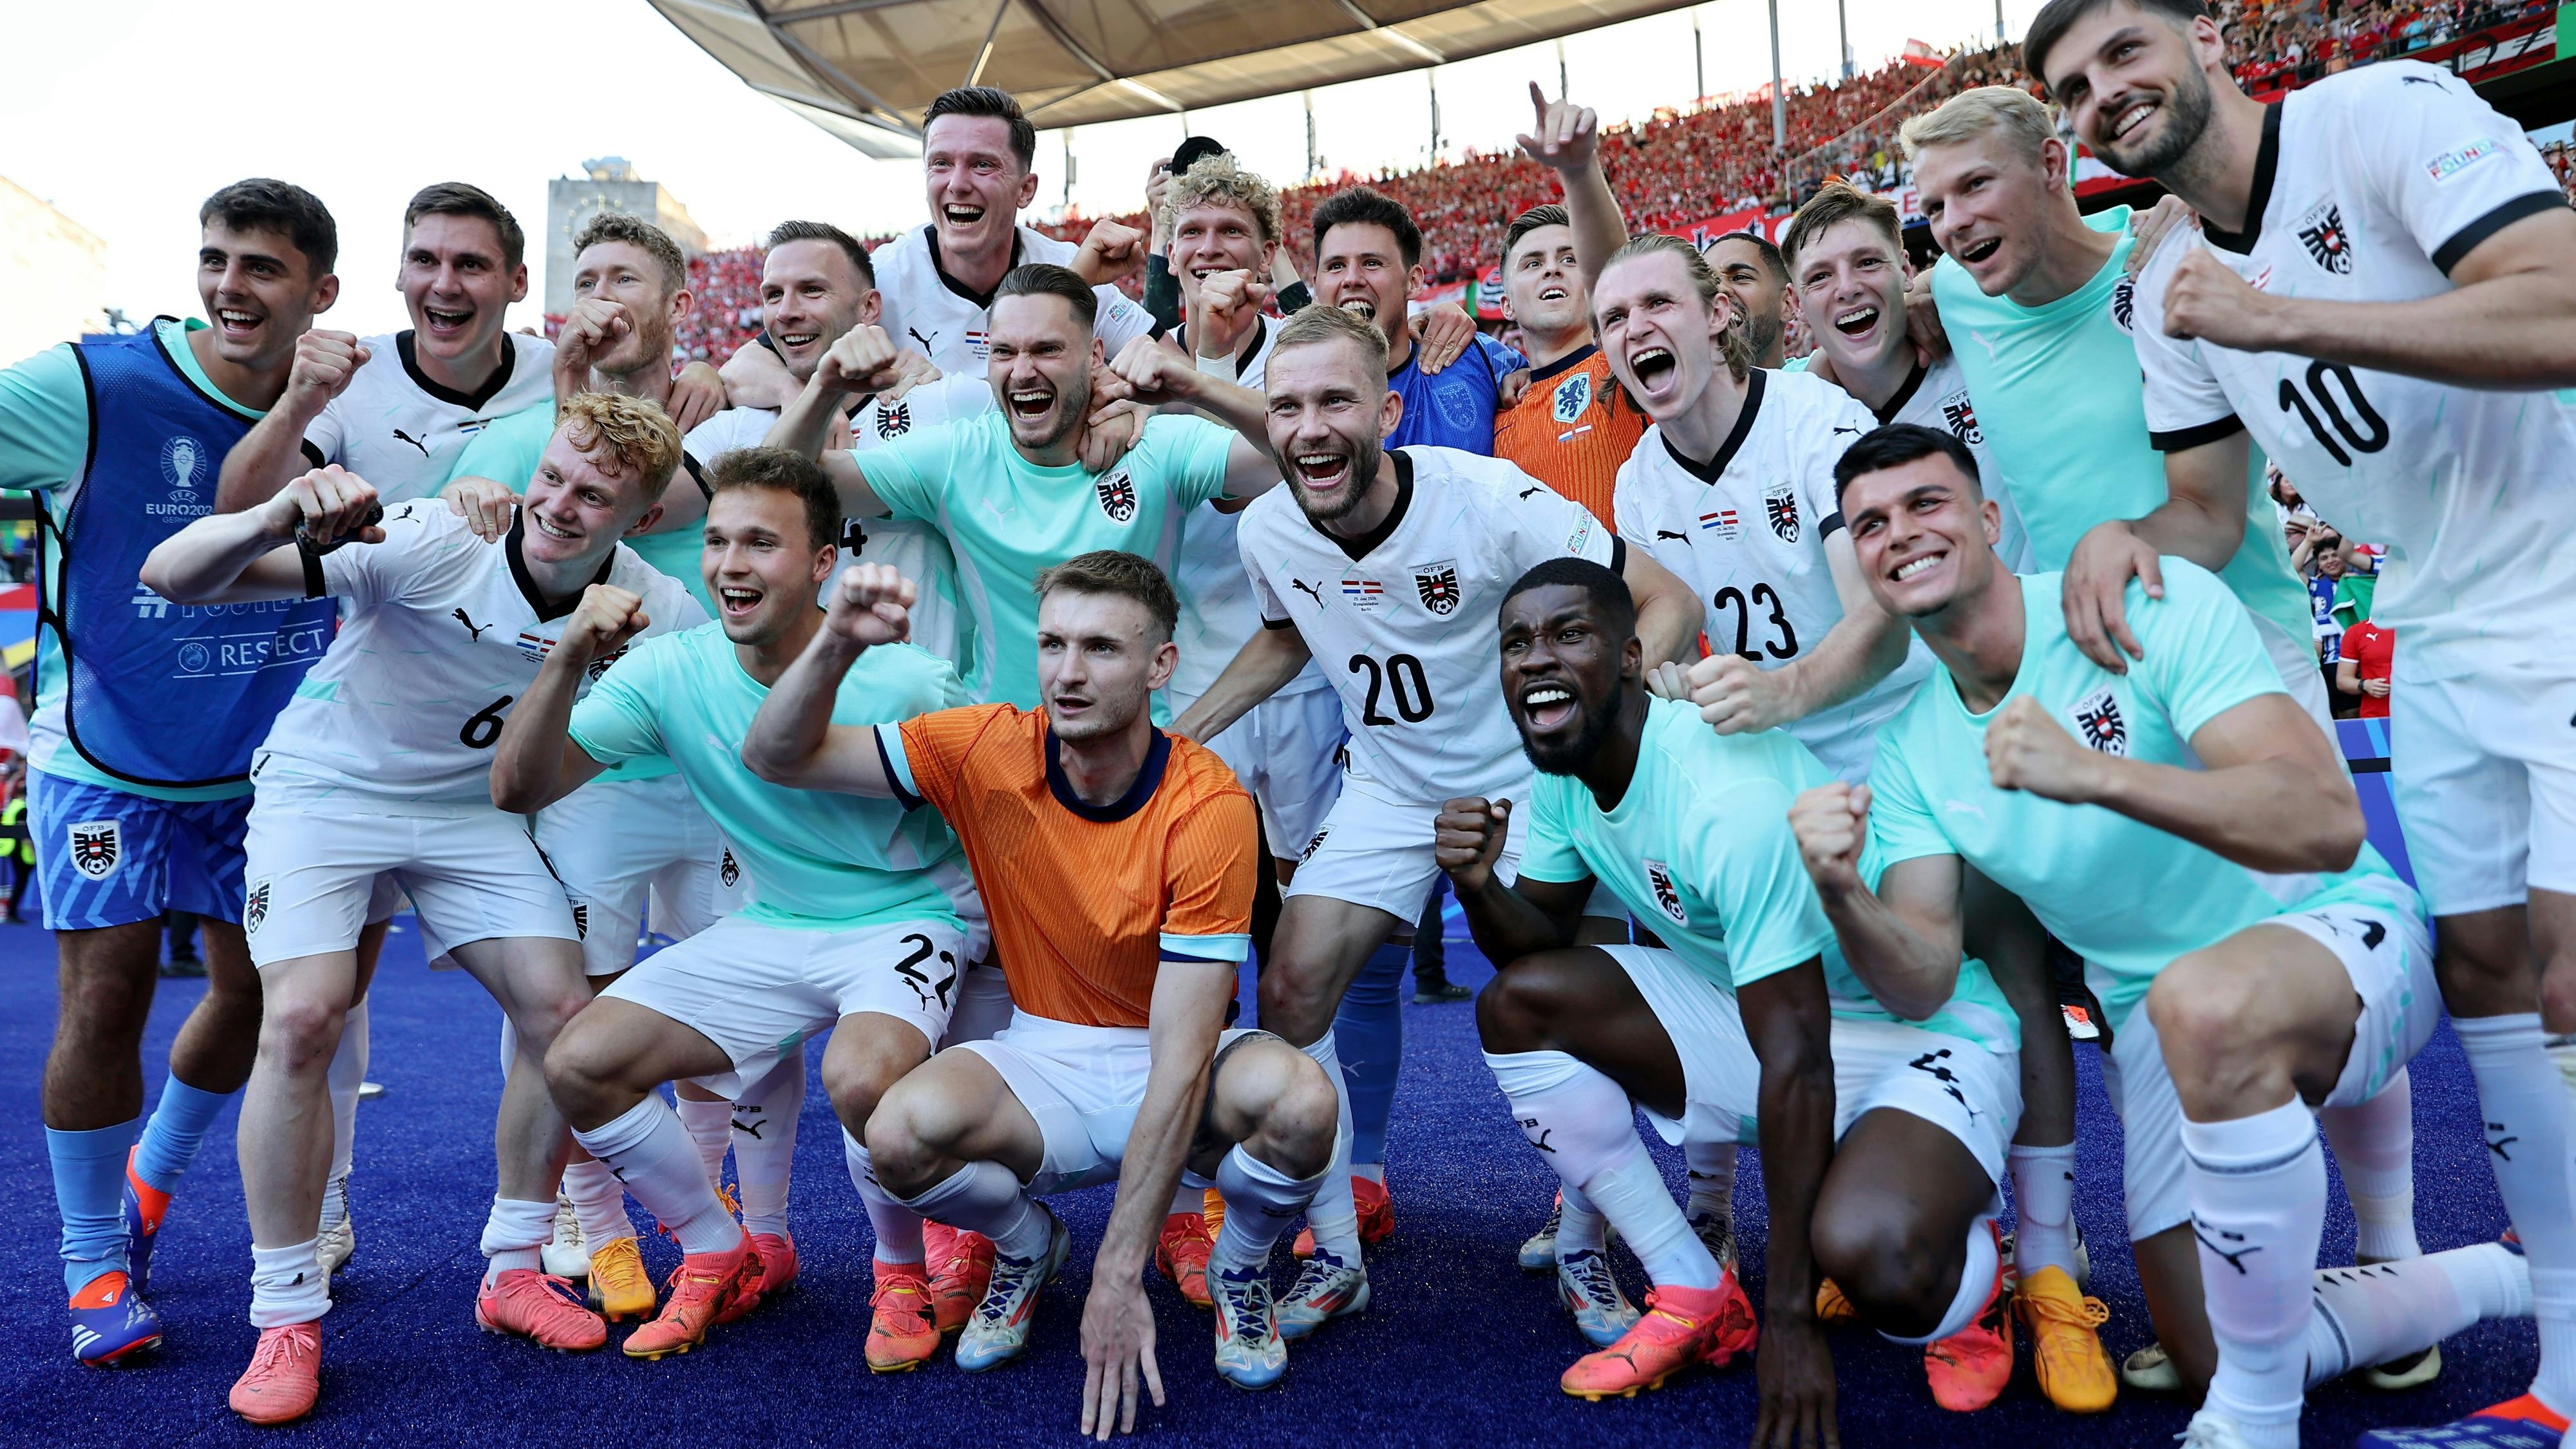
(865,70)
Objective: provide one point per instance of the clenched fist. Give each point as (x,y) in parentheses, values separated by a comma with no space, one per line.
(1831,823)
(1467,838)
(603,621)
(872,605)
(2026,749)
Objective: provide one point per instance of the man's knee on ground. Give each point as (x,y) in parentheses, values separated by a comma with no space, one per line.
(1872,1245)
(1515,1008)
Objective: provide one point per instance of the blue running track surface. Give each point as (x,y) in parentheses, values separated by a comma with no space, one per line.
(1458,1346)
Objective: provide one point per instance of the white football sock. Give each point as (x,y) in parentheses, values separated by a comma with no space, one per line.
(1579,1224)
(1582,1122)
(1712,1179)
(598,1201)
(2525,1105)
(1333,1214)
(1976,1284)
(2384,1312)
(898,1228)
(1189,1195)
(347,1073)
(764,1144)
(1260,1203)
(515,1236)
(2043,1183)
(287,1285)
(2258,1206)
(653,1156)
(2374,1145)
(984,1197)
(710,1129)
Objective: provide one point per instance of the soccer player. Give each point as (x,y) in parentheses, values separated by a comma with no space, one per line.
(859,923)
(2189,779)
(143,811)
(1118,863)
(1008,487)
(1379,560)
(1758,1021)
(1752,273)
(378,767)
(1368,262)
(1732,490)
(1574,427)
(2379,299)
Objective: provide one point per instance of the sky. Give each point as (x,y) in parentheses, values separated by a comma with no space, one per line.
(128,113)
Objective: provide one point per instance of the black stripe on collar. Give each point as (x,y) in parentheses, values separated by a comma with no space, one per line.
(1715,468)
(470,401)
(2267,161)
(546,612)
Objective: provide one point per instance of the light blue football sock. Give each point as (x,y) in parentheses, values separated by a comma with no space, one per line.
(1369,1032)
(89,1188)
(174,1132)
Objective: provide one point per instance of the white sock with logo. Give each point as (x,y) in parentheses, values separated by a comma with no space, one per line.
(2374,1145)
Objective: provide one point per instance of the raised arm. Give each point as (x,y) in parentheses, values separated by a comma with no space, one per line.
(1566,139)
(271,454)
(865,360)
(2272,797)
(1737,695)
(2201,519)
(535,763)
(1902,940)
(755,377)
(1789,1021)
(238,558)
(1508,921)
(792,741)
(1267,661)
(1667,611)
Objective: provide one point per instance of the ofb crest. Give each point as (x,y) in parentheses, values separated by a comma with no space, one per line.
(1437,584)
(97,846)
(1780,505)
(2098,722)
(255,908)
(1117,495)
(1659,879)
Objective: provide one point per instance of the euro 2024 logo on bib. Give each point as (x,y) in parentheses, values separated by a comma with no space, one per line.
(97,846)
(1659,879)
(1117,494)
(1572,396)
(2098,722)
(185,466)
(1437,586)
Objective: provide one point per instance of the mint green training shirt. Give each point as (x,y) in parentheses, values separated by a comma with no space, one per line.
(819,860)
(2126,896)
(1700,850)
(1006,518)
(2062,402)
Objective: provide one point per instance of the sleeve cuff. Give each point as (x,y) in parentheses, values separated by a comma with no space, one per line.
(1618,555)
(1269,623)
(2183,440)
(1832,524)
(1206,948)
(2466,239)
(313,455)
(315,585)
(898,769)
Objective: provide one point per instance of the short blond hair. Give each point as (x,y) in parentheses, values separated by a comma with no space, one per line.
(1319,323)
(638,435)
(1218,181)
(1971,113)
(1734,340)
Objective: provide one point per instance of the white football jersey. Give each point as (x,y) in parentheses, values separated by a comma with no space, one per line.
(440,633)
(1747,532)
(1402,622)
(2369,186)
(1937,397)
(1218,613)
(401,432)
(928,309)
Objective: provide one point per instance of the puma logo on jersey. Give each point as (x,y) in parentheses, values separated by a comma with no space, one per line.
(402,437)
(1855,432)
(472,629)
(2372,933)
(2098,723)
(1527,492)
(1311,591)
(1668,899)
(925,342)
(1664,533)
(2329,245)
(1935,1064)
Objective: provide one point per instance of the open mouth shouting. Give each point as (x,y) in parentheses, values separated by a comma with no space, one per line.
(1857,321)
(1030,404)
(1980,251)
(738,601)
(1546,708)
(959,214)
(447,324)
(1657,372)
(239,324)
(1363,308)
(1320,471)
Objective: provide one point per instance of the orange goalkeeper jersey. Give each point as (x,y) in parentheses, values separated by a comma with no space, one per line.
(1085,900)
(1572,430)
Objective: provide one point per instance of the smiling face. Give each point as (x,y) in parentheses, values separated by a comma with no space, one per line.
(759,565)
(976,184)
(1359,267)
(1925,536)
(1744,274)
(1041,369)
(1851,290)
(1988,203)
(1566,674)
(1329,416)
(1211,238)
(457,286)
(580,502)
(1659,337)
(810,294)
(1542,285)
(1100,659)
(627,274)
(259,292)
(2136,86)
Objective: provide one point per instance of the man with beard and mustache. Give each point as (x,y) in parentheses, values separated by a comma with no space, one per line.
(1117,864)
(841,891)
(2380,299)
(1368,566)
(2181,829)
(1752,273)
(1746,1013)
(1007,487)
